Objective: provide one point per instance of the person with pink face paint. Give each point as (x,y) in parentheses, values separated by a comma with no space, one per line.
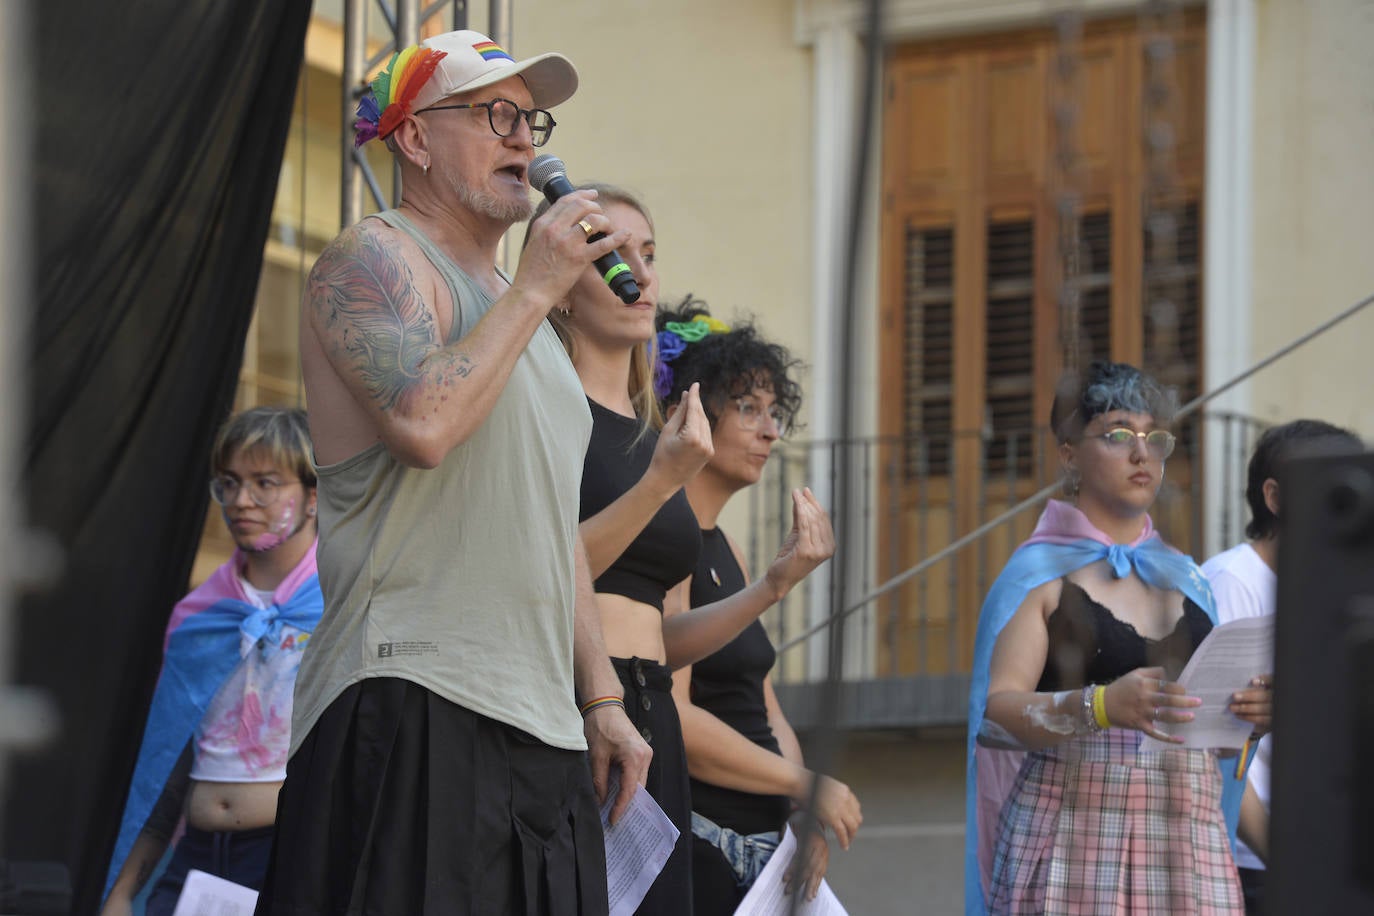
(214,747)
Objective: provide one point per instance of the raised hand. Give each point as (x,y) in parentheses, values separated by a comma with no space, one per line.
(809,544)
(684,443)
(1143,700)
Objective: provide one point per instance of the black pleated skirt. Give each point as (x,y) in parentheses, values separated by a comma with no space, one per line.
(650,706)
(400,803)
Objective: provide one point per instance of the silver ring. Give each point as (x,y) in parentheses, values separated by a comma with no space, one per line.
(1156,716)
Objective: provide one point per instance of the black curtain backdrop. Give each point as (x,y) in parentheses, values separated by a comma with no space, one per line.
(160,131)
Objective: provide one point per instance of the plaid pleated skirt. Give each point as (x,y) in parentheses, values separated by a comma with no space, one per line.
(1097,825)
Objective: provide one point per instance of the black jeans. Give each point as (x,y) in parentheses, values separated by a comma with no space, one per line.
(234,855)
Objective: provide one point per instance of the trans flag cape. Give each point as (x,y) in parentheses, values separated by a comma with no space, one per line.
(200,651)
(1063,540)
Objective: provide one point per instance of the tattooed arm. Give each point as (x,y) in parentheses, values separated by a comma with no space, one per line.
(367,315)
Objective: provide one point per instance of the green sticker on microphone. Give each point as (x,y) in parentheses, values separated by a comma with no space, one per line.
(615,271)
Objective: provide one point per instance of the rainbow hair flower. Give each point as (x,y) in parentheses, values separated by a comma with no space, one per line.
(382,108)
(673,339)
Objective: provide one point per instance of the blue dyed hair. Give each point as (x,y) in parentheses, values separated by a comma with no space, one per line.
(1103,387)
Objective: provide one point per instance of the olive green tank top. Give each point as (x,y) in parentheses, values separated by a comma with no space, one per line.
(460,578)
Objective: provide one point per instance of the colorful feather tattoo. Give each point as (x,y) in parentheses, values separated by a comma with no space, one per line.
(365,295)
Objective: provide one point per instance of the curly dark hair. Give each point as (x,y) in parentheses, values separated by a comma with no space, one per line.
(730,365)
(1277,445)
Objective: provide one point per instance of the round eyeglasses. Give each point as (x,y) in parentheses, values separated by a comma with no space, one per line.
(1158,442)
(504,117)
(263,491)
(751,415)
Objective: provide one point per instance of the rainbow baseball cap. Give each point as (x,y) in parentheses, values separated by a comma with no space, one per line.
(420,75)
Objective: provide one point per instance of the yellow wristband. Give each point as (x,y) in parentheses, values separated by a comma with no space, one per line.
(1100,707)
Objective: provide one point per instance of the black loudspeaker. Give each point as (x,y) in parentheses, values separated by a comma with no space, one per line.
(1322,817)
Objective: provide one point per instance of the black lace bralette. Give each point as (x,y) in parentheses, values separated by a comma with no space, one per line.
(1088,644)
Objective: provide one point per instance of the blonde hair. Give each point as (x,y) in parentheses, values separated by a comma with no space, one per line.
(279,433)
(643,360)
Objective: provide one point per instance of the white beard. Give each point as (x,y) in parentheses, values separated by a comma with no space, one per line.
(483,202)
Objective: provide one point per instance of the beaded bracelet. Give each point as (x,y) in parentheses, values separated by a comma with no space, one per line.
(592,705)
(1100,707)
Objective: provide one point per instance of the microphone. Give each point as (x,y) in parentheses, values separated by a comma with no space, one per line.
(549,176)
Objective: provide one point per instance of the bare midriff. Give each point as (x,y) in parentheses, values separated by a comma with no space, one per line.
(631,629)
(223,806)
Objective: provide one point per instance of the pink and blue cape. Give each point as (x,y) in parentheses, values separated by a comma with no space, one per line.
(201,650)
(1063,540)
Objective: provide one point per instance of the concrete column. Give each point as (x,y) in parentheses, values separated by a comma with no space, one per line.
(1228,310)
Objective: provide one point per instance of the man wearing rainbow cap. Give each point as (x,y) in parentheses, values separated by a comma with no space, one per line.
(439,763)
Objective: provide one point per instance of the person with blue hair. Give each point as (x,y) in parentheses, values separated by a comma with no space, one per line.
(1079,644)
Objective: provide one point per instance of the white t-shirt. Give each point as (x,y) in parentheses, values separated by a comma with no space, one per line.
(246,730)
(1245,586)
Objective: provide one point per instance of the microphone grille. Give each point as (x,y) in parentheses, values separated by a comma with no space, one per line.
(544,168)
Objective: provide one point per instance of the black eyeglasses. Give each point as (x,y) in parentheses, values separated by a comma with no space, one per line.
(504,117)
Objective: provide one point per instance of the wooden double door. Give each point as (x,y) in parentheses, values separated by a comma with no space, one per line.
(1015,164)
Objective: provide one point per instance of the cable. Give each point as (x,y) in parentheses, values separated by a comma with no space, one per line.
(1037,497)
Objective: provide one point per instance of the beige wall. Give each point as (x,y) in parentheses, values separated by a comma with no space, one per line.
(709,123)
(706,109)
(703,109)
(1314,207)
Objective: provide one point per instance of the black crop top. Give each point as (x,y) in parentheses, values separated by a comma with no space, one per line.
(1090,645)
(665,552)
(729,685)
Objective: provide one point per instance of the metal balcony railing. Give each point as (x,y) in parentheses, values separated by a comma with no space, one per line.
(908,651)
